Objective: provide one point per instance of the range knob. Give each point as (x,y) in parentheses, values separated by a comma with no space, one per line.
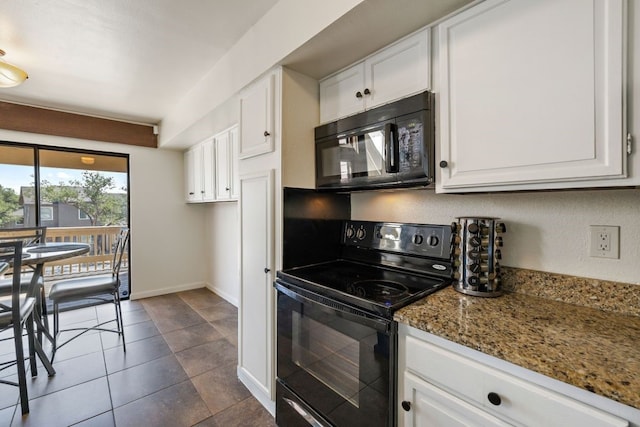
(501,228)
(455,227)
(473,228)
(417,239)
(360,233)
(350,232)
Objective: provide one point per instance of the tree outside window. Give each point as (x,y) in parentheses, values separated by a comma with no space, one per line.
(93,195)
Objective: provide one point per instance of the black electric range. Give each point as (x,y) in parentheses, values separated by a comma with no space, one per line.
(372,288)
(337,341)
(382,267)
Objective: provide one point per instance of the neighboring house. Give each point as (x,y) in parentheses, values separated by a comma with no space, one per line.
(51,214)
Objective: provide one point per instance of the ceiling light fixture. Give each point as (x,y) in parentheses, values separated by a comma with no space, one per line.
(10,75)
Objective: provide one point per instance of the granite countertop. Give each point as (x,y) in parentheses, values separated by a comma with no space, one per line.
(587,347)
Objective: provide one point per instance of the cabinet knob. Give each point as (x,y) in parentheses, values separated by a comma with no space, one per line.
(367,91)
(406,405)
(266,133)
(266,270)
(443,164)
(358,94)
(494,398)
(226,188)
(191,193)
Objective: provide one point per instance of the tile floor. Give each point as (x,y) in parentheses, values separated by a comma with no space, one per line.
(179,370)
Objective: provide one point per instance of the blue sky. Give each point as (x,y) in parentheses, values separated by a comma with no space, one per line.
(15,176)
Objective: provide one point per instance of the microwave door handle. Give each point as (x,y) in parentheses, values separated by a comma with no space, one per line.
(391,147)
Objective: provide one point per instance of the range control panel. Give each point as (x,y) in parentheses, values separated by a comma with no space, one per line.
(408,239)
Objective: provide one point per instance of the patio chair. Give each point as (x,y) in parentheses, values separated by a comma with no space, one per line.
(15,315)
(29,236)
(103,288)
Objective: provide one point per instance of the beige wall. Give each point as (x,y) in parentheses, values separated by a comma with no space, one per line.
(547,231)
(222,262)
(288,25)
(167,241)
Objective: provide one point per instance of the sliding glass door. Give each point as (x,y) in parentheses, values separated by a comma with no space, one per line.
(80,196)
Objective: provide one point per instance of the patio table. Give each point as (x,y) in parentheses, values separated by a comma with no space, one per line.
(37,256)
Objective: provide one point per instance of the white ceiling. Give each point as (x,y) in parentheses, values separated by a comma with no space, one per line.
(134,60)
(123,59)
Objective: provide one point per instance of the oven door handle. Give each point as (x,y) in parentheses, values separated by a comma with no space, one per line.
(342,310)
(304,414)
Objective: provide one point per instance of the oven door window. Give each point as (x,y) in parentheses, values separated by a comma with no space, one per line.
(339,367)
(330,356)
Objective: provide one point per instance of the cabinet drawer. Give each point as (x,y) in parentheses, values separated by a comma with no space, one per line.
(530,404)
(444,369)
(514,400)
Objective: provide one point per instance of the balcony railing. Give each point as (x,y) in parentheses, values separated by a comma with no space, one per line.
(96,261)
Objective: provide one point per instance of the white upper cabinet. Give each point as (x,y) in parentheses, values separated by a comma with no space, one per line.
(199,162)
(190,166)
(257,118)
(394,72)
(341,94)
(532,95)
(226,145)
(211,169)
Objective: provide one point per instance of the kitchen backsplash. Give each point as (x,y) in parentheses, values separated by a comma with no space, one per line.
(546,231)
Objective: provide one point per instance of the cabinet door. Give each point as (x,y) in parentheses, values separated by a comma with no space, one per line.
(190,159)
(339,94)
(256,291)
(233,163)
(223,182)
(400,70)
(208,171)
(532,92)
(433,407)
(257,119)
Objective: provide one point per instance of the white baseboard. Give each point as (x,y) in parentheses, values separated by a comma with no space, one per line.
(169,290)
(257,391)
(231,299)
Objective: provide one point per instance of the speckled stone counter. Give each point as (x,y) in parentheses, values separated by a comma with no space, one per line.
(587,347)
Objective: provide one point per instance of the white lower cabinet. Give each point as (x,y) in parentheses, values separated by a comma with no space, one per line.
(440,387)
(263,174)
(429,405)
(256,315)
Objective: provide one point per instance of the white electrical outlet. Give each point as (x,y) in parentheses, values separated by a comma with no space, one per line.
(605,241)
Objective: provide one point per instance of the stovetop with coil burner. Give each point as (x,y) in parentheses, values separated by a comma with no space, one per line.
(383,266)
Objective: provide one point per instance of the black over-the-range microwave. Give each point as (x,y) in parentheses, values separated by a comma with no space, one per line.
(388,146)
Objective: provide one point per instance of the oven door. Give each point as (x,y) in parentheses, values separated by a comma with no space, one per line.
(357,158)
(336,364)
